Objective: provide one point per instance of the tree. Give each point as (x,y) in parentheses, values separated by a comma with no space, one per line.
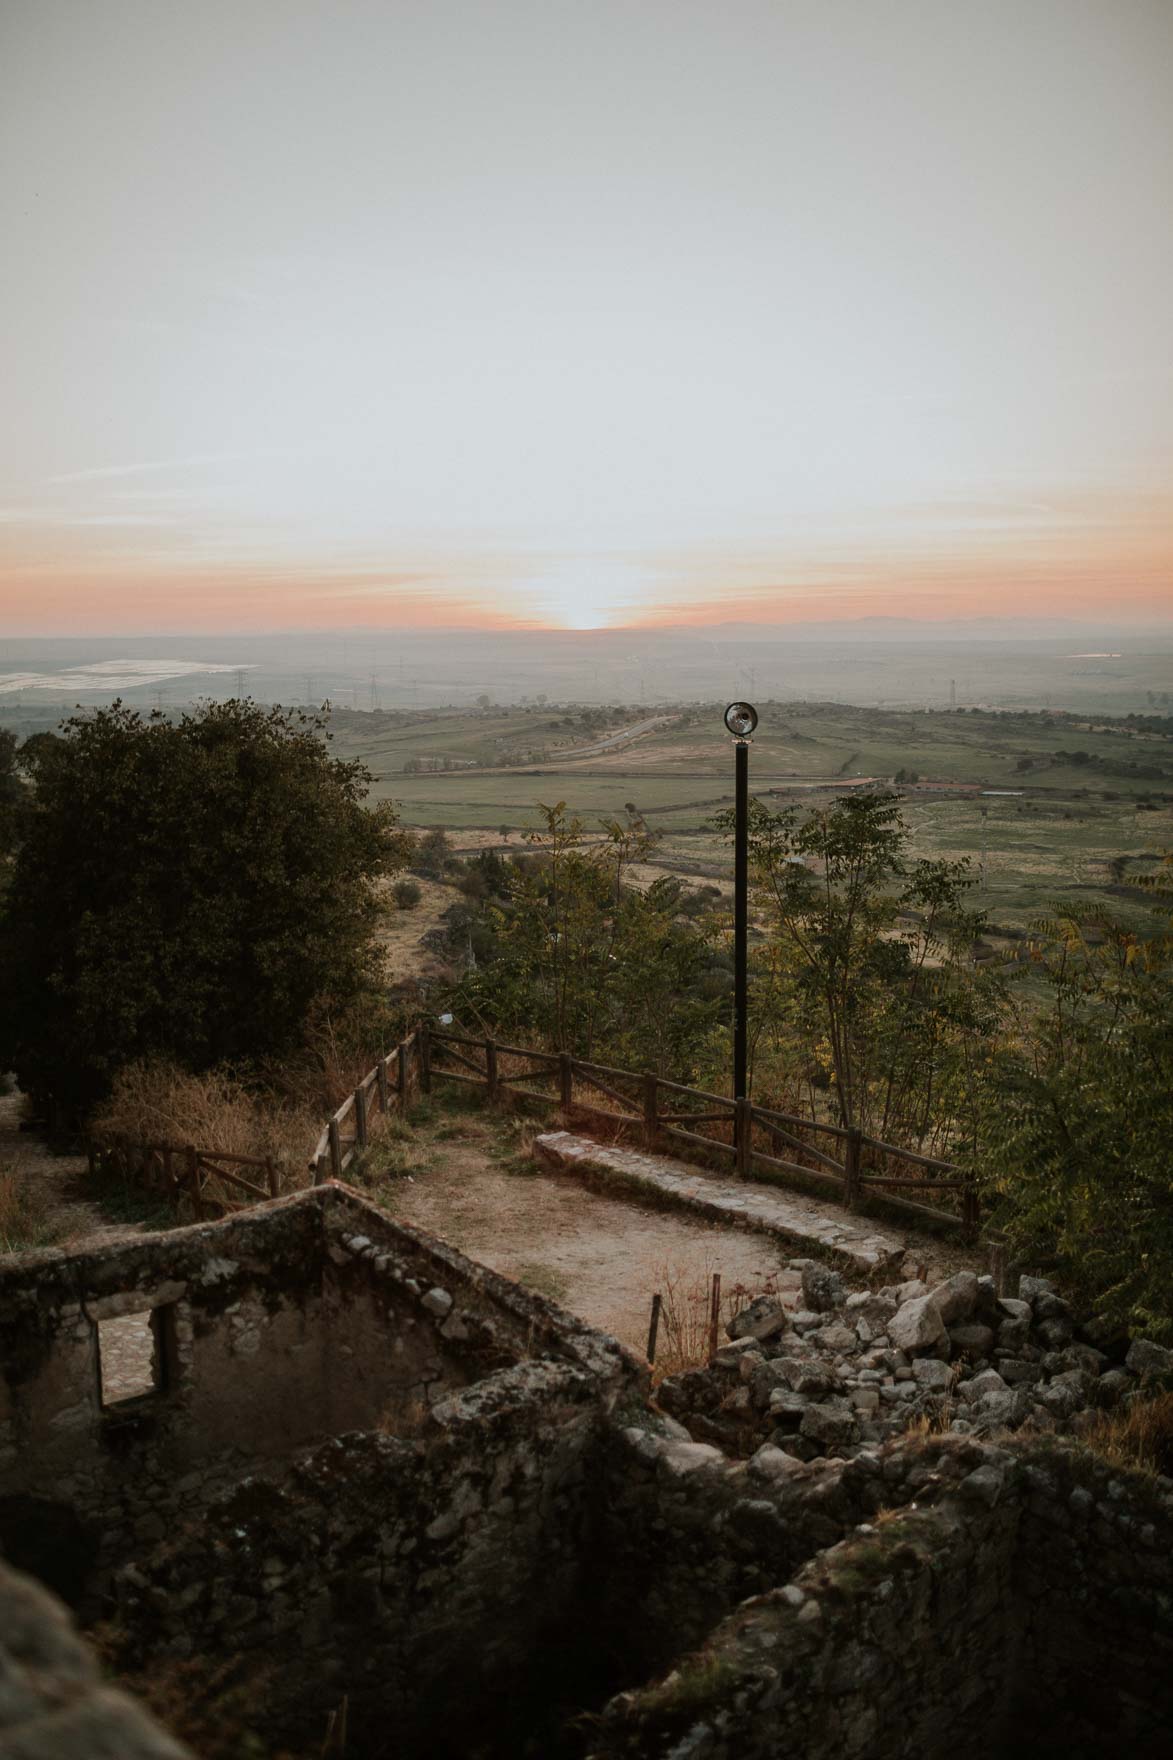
(185,888)
(863,981)
(1077,1150)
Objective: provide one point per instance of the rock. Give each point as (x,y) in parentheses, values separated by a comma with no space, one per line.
(910,1291)
(956,1298)
(805,1320)
(829,1426)
(772,1462)
(836,1339)
(1148,1359)
(1057,1332)
(806,1374)
(822,1288)
(787,1408)
(437,1301)
(1013,1335)
(1064,1396)
(1112,1386)
(1049,1306)
(973,1340)
(1030,1287)
(732,1356)
(764,1318)
(763,1378)
(1018,1372)
(933,1375)
(986,1306)
(984,1485)
(917,1326)
(867,1399)
(989,1381)
(995,1409)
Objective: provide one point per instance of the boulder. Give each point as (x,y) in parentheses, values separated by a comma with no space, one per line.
(1148,1359)
(764,1318)
(956,1298)
(1013,1334)
(910,1291)
(1112,1386)
(1055,1333)
(1019,1372)
(787,1408)
(917,1327)
(771,1462)
(1031,1287)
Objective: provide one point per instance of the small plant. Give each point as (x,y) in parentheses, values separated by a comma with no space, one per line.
(685,1332)
(407,894)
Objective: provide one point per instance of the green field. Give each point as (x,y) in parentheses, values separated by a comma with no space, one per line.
(1055,836)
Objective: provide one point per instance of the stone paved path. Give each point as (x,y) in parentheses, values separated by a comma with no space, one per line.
(791,1218)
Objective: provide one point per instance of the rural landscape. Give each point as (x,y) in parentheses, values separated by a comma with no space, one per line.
(586,880)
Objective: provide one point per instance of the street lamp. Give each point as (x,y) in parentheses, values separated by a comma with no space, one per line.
(740,719)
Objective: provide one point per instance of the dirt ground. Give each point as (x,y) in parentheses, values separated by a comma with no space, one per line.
(599,1257)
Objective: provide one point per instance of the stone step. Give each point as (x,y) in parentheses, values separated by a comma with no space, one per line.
(793,1220)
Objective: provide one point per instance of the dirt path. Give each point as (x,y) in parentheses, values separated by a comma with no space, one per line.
(597,1256)
(50,1189)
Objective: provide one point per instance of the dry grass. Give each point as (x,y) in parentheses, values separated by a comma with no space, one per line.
(685,1332)
(26,1220)
(156,1102)
(1137,1437)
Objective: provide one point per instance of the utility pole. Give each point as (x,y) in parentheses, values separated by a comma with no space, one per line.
(740,719)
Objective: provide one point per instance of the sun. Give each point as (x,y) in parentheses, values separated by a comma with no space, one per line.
(588,592)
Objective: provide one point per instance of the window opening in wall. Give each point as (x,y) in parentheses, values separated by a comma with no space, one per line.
(130,1356)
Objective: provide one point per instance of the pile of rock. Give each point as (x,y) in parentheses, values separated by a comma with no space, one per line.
(847,1371)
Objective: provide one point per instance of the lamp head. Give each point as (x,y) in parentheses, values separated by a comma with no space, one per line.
(741,719)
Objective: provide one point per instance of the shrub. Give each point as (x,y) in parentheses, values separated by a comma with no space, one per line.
(407,894)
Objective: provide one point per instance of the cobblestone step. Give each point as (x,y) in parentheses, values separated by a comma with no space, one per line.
(793,1220)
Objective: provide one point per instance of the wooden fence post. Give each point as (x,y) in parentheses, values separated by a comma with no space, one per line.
(384,1094)
(654,1326)
(401,1074)
(851,1167)
(335,1149)
(193,1175)
(360,1116)
(651,1109)
(743,1136)
(565,1080)
(715,1315)
(491,1068)
(425,1045)
(274,1178)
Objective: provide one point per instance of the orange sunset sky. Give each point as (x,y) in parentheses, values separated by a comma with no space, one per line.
(553,315)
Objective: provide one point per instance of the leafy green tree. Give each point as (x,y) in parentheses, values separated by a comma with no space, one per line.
(189,888)
(579,959)
(10,788)
(1077,1149)
(863,987)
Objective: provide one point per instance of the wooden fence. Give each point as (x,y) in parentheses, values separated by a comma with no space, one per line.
(383,1089)
(847,1164)
(208,1180)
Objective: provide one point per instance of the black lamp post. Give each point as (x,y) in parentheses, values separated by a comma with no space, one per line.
(740,719)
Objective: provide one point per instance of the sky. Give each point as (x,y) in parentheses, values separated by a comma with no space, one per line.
(529,313)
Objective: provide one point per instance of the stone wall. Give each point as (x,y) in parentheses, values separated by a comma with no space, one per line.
(1021,1601)
(276,1330)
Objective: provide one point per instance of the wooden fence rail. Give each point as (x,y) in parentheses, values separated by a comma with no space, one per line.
(738,1131)
(383,1090)
(207,1178)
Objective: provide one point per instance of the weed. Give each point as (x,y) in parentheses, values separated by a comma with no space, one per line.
(154,1101)
(685,1333)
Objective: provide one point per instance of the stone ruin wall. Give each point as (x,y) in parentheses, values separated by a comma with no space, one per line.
(375,1469)
(277,1330)
(983,1601)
